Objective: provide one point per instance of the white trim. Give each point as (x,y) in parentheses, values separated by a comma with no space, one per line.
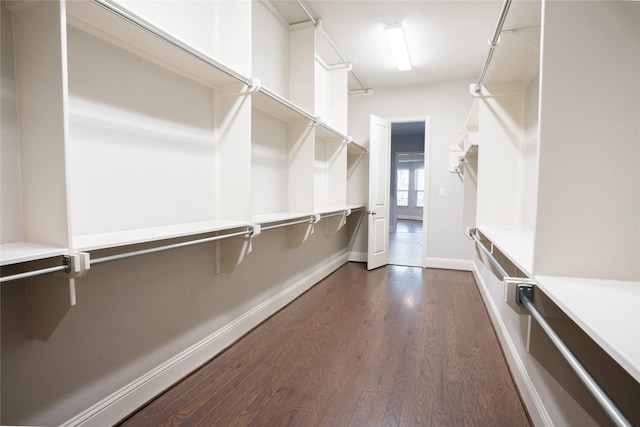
(410,217)
(118,405)
(357,256)
(450,263)
(427,152)
(527,388)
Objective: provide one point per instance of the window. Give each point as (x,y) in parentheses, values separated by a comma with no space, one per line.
(402,194)
(419,185)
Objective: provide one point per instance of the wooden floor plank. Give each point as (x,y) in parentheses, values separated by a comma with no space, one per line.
(397,346)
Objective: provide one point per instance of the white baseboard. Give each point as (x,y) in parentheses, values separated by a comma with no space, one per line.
(118,405)
(450,263)
(527,388)
(358,256)
(411,217)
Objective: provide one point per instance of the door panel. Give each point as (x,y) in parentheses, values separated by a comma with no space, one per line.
(379,169)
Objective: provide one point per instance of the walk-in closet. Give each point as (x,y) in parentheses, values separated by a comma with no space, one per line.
(186,183)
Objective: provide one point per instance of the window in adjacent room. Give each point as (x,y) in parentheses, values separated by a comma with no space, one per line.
(403,187)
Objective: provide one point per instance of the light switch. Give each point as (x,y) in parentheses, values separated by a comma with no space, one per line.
(441,192)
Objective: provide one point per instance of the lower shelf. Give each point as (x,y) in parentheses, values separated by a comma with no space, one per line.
(131,237)
(13,253)
(606,310)
(516,243)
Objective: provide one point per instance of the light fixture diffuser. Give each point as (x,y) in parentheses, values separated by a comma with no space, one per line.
(398,45)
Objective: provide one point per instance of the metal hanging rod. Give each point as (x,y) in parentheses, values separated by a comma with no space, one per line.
(247,232)
(524,298)
(347,138)
(333,214)
(355,144)
(333,45)
(473,234)
(171,40)
(459,173)
(493,43)
(286,224)
(64,267)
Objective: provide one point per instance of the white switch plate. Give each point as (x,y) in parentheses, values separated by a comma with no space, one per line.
(441,194)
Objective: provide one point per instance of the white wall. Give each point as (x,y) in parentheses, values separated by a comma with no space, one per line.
(447,104)
(11,218)
(270,54)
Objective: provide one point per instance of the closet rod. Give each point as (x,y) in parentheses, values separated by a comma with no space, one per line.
(493,43)
(524,296)
(492,259)
(64,267)
(287,104)
(464,156)
(342,135)
(364,150)
(172,246)
(333,46)
(333,214)
(286,224)
(171,40)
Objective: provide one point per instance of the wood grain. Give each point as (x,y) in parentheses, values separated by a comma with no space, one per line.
(397,346)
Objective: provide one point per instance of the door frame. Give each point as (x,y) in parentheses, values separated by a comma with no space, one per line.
(427,151)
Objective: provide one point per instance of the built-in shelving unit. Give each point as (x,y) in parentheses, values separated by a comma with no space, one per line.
(135,130)
(550,196)
(138,117)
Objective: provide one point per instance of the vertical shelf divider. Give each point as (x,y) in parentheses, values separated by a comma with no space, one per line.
(41,63)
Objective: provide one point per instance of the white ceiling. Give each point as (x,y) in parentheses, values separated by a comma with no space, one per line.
(447,39)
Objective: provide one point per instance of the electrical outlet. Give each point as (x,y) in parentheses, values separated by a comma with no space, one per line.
(441,194)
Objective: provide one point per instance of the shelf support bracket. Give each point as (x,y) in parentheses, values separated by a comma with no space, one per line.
(299,233)
(232,251)
(49,300)
(336,222)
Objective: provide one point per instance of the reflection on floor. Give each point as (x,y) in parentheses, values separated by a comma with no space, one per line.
(405,245)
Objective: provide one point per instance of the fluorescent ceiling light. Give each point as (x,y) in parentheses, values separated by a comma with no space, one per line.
(398,44)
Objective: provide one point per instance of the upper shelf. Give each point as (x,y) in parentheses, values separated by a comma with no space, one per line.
(275,105)
(584,300)
(278,106)
(516,243)
(124,29)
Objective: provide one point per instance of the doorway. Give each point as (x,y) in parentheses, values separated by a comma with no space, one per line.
(407,198)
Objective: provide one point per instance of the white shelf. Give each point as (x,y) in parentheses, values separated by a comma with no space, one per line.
(13,253)
(143,235)
(278,106)
(607,310)
(516,243)
(330,210)
(277,217)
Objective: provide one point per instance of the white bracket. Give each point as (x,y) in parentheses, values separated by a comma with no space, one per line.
(254,84)
(254,230)
(77,265)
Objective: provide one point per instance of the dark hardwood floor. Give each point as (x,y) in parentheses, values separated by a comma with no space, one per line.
(397,346)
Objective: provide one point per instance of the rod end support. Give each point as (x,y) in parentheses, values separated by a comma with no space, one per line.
(524,290)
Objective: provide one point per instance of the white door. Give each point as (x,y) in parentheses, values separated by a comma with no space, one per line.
(378,213)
